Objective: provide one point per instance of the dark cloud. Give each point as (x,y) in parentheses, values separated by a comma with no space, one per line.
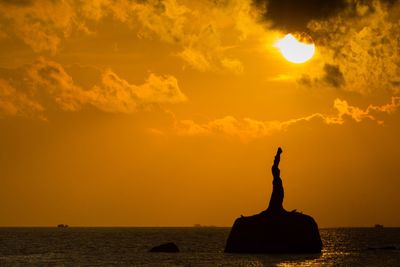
(294,15)
(305,80)
(333,76)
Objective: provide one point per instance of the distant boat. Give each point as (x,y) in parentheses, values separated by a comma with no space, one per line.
(378,225)
(62,226)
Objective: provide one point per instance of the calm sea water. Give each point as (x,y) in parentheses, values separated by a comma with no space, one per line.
(199,247)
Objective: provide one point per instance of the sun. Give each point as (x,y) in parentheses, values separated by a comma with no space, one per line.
(294,50)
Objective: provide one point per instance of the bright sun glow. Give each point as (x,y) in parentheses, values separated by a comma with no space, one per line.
(294,50)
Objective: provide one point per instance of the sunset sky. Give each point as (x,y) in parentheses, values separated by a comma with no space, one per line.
(169,112)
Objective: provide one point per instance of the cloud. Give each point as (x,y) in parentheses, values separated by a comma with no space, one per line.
(160,89)
(14,103)
(356,40)
(248,129)
(245,129)
(233,65)
(117,95)
(295,15)
(218,28)
(45,84)
(49,78)
(289,15)
(333,76)
(196,29)
(165,18)
(204,52)
(193,27)
(359,48)
(40,24)
(358,114)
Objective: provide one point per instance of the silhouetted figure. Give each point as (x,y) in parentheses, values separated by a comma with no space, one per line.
(275,230)
(276,201)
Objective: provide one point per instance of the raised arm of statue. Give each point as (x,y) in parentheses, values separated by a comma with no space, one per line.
(277,157)
(275,167)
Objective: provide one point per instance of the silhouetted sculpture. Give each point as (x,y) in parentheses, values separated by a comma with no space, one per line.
(275,230)
(276,201)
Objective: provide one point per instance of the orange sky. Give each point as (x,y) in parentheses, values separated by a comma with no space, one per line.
(169,113)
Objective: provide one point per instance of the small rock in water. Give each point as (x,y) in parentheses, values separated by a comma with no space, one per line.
(167,247)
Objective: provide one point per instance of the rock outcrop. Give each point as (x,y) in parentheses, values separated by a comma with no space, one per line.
(285,232)
(275,230)
(167,247)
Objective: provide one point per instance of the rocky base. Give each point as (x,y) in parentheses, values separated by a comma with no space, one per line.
(278,232)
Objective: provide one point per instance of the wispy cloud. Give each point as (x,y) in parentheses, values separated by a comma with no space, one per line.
(45,83)
(196,29)
(117,95)
(247,129)
(40,24)
(193,27)
(14,103)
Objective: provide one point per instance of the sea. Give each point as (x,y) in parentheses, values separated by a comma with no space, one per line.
(199,246)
